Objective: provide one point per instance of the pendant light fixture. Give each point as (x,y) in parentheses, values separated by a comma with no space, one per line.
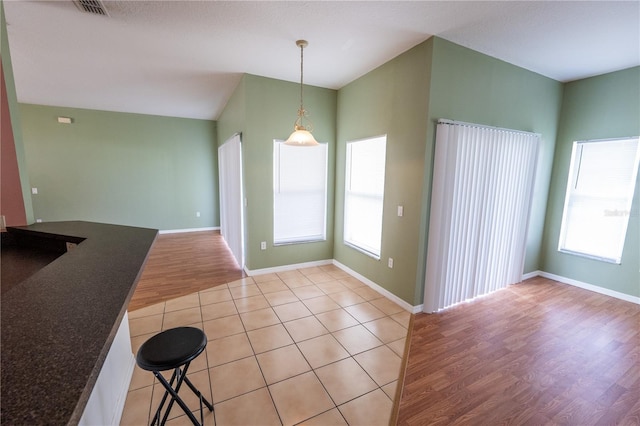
(301,135)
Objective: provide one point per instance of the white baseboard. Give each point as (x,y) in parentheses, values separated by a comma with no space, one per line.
(418,309)
(386,293)
(583,285)
(368,282)
(284,268)
(530,275)
(179,231)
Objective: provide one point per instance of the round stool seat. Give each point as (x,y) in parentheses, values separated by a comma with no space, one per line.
(171,348)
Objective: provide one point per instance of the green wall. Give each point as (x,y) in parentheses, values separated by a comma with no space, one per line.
(403,99)
(473,87)
(15,116)
(233,118)
(127,169)
(607,106)
(264,109)
(157,172)
(390,100)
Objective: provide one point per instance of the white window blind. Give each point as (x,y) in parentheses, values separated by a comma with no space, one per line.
(299,193)
(600,189)
(364,194)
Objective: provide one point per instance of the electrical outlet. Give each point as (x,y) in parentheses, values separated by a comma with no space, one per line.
(38,220)
(263,245)
(34,190)
(400,211)
(390,263)
(197,214)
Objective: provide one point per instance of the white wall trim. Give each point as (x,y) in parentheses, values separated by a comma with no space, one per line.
(178,231)
(386,293)
(591,287)
(529,275)
(583,285)
(418,309)
(284,268)
(365,280)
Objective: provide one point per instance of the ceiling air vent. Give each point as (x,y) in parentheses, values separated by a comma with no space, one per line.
(91,6)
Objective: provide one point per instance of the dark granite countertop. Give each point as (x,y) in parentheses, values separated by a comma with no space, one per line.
(58,325)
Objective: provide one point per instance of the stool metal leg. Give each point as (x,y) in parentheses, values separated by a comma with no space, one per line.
(181,376)
(198,393)
(200,397)
(162,380)
(174,397)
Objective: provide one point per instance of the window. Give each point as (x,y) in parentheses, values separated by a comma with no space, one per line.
(600,189)
(364,194)
(299,193)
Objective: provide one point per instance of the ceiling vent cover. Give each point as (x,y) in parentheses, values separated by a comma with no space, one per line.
(91,6)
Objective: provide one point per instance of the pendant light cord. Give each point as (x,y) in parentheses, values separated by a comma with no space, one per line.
(301,135)
(301,77)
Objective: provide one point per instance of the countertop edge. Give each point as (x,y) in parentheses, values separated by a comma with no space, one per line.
(93,377)
(105,267)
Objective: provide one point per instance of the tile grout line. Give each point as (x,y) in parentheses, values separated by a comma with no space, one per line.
(301,353)
(335,406)
(351,356)
(295,343)
(259,366)
(213,413)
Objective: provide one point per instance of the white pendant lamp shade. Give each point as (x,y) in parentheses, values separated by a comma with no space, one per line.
(301,135)
(301,138)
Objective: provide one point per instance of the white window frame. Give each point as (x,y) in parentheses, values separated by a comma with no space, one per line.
(353,236)
(285,214)
(611,206)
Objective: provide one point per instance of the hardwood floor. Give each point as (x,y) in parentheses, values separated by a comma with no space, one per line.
(539,352)
(184,263)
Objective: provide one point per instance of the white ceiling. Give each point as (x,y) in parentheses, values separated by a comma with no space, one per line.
(185,58)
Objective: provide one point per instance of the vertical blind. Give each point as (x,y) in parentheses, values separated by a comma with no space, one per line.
(482,188)
(364,194)
(230,178)
(299,193)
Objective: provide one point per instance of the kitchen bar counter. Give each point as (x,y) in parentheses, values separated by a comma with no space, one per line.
(58,325)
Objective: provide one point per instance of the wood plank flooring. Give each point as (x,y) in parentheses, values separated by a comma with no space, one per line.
(538,352)
(180,264)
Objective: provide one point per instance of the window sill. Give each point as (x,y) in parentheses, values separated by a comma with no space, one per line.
(591,256)
(361,250)
(289,243)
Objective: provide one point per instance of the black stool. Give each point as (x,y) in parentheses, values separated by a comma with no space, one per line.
(174,349)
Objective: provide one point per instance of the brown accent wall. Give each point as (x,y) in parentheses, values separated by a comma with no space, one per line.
(11,202)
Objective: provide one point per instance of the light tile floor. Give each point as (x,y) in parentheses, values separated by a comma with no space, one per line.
(313,346)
